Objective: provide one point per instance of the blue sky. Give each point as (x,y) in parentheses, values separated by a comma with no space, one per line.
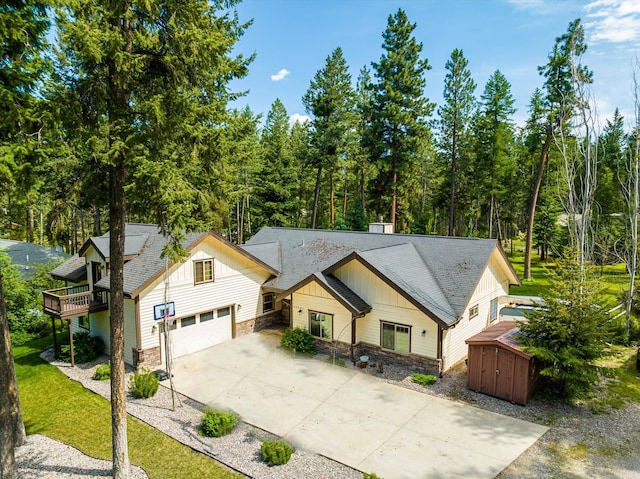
(293,38)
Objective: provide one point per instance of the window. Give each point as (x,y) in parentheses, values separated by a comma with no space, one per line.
(396,337)
(188,321)
(172,325)
(473,311)
(321,325)
(222,312)
(493,315)
(268,302)
(208,316)
(203,271)
(83,322)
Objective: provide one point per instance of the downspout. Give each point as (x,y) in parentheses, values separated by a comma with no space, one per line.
(353,335)
(439,352)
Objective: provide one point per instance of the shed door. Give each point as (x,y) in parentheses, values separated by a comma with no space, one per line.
(487,370)
(505,362)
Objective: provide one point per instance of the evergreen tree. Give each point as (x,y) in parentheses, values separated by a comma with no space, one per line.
(494,148)
(568,331)
(365,99)
(276,185)
(561,99)
(399,117)
(330,100)
(455,121)
(152,79)
(24,122)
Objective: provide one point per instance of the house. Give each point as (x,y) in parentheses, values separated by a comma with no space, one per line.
(214,295)
(413,299)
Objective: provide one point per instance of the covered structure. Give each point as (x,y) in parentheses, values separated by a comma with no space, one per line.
(497,365)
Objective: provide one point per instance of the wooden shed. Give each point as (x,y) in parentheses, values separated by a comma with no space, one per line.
(497,366)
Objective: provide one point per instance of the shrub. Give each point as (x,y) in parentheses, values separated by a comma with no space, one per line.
(276,453)
(370,475)
(423,379)
(86,348)
(144,384)
(298,340)
(103,372)
(218,423)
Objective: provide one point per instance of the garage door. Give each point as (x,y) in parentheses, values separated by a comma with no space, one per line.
(200,331)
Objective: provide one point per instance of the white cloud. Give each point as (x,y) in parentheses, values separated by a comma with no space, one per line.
(616,21)
(281,75)
(298,118)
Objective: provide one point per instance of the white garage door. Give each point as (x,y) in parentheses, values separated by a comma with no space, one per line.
(201,331)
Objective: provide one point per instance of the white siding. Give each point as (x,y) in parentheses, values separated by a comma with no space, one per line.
(237,283)
(314,297)
(387,305)
(493,284)
(130,334)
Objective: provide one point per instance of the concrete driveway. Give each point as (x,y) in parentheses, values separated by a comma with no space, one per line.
(349,416)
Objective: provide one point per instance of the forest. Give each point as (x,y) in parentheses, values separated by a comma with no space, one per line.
(376,148)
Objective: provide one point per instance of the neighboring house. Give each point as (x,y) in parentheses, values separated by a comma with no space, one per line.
(27,255)
(403,298)
(215,293)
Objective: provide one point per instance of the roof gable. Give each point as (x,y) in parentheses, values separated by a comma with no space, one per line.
(438,274)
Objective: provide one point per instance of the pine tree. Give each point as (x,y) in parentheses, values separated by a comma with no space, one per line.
(568,331)
(494,148)
(330,100)
(399,117)
(455,121)
(276,184)
(151,79)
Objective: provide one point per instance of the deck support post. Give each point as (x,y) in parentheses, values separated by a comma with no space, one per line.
(73,363)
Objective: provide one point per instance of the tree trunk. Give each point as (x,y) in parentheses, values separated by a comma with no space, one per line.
(533,200)
(121,465)
(394,200)
(12,433)
(30,224)
(332,208)
(316,195)
(117,214)
(452,193)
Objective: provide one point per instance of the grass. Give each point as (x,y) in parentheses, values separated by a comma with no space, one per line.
(51,403)
(614,278)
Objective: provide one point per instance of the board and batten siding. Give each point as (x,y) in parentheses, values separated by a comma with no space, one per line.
(492,284)
(92,256)
(313,297)
(237,282)
(390,306)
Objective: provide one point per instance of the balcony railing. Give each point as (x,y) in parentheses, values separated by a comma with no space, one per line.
(74,301)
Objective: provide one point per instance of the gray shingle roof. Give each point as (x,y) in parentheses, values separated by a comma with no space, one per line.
(439,273)
(74,270)
(148,262)
(27,255)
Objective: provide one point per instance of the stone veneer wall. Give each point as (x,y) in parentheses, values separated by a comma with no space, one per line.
(147,357)
(274,318)
(376,354)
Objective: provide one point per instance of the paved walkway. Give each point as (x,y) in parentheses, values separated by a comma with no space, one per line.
(351,417)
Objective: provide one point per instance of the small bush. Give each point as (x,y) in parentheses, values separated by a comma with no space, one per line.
(276,453)
(423,379)
(86,348)
(218,423)
(144,384)
(298,340)
(103,372)
(370,475)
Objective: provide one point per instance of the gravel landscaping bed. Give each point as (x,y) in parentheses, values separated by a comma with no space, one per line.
(579,443)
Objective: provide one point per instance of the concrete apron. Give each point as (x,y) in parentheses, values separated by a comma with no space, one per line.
(349,416)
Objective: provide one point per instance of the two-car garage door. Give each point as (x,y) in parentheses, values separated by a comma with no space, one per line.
(200,331)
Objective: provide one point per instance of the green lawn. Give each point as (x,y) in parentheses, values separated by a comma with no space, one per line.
(63,409)
(614,278)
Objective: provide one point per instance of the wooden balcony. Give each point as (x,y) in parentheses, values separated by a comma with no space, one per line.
(73,301)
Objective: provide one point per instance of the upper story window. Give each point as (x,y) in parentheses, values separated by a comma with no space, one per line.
(203,271)
(493,310)
(473,311)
